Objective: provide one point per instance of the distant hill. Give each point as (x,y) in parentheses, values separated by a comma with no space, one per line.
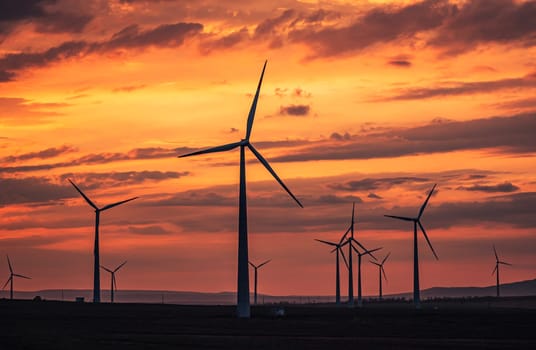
(515,289)
(522,288)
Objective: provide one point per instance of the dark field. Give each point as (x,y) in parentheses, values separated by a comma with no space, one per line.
(491,324)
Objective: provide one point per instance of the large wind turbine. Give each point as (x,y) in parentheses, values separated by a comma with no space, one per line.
(113,283)
(338,249)
(243,307)
(255,268)
(359,255)
(381,270)
(350,241)
(417,221)
(96,265)
(496,269)
(10,279)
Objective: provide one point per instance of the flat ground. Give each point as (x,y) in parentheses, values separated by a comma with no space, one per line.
(491,324)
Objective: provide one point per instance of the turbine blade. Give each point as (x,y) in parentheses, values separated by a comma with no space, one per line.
(363,247)
(109,206)
(384,259)
(9,264)
(22,276)
(120,266)
(83,195)
(495,269)
(505,263)
(399,217)
(375,263)
(326,242)
(369,252)
(9,279)
(427,240)
(252,265)
(495,251)
(344,236)
(426,202)
(384,274)
(104,268)
(334,249)
(223,148)
(269,168)
(344,258)
(264,263)
(251,115)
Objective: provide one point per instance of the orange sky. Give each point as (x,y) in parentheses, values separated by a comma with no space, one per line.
(365,101)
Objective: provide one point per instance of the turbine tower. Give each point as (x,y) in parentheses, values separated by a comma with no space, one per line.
(417,221)
(243,306)
(96,265)
(350,241)
(381,270)
(359,255)
(10,279)
(113,286)
(255,268)
(496,269)
(338,249)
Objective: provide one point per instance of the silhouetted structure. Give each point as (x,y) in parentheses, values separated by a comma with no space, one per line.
(496,269)
(113,283)
(380,271)
(338,249)
(350,241)
(243,305)
(10,279)
(96,265)
(359,289)
(417,221)
(255,268)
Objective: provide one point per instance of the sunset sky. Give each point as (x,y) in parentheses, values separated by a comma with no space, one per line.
(369,102)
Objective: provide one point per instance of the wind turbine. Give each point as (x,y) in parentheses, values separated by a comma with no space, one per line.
(243,306)
(113,283)
(96,271)
(10,279)
(359,255)
(338,249)
(417,221)
(255,268)
(496,269)
(350,241)
(381,270)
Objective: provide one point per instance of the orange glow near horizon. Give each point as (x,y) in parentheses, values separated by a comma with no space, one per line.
(359,103)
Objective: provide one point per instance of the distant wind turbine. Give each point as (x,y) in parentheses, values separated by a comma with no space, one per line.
(255,268)
(417,221)
(96,265)
(350,241)
(359,255)
(243,305)
(381,270)
(10,279)
(338,249)
(113,282)
(496,269)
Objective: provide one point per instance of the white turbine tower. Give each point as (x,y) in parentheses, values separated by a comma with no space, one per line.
(243,305)
(417,221)
(96,265)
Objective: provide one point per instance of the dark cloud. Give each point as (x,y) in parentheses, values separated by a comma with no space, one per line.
(503,134)
(400,63)
(63,22)
(368,184)
(148,230)
(457,88)
(44,154)
(295,110)
(129,88)
(502,187)
(270,26)
(21,9)
(132,37)
(374,196)
(32,190)
(226,41)
(94,180)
